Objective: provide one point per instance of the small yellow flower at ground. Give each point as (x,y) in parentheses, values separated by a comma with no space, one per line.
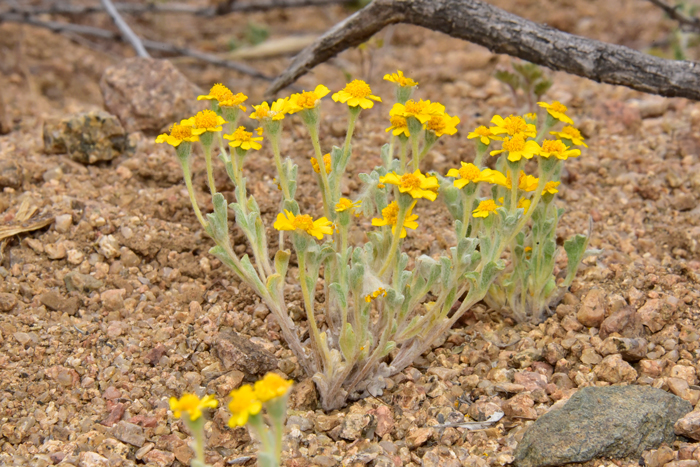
(206,120)
(557,110)
(305,223)
(326,163)
(271,387)
(493,176)
(307,99)
(525,204)
(233,100)
(484,134)
(485,208)
(355,93)
(192,405)
(399,126)
(244,139)
(570,133)
(215,93)
(421,110)
(390,216)
(513,125)
(442,124)
(415,184)
(375,294)
(468,173)
(400,79)
(551,188)
(178,133)
(557,149)
(525,182)
(518,148)
(244,403)
(531,116)
(346,205)
(275,112)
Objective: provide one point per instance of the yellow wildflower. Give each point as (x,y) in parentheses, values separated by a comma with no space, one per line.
(305,223)
(551,188)
(399,126)
(244,139)
(233,100)
(390,216)
(493,176)
(355,93)
(518,148)
(570,133)
(346,205)
(468,173)
(271,386)
(415,184)
(215,93)
(531,116)
(525,182)
(513,125)
(375,294)
(421,110)
(557,110)
(307,99)
(206,120)
(525,204)
(275,112)
(484,134)
(557,149)
(326,163)
(244,403)
(442,124)
(178,133)
(192,405)
(485,208)
(400,79)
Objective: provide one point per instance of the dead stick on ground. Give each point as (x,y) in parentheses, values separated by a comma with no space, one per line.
(57,26)
(126,31)
(686,22)
(502,32)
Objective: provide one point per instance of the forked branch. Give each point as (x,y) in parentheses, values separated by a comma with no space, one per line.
(686,22)
(503,32)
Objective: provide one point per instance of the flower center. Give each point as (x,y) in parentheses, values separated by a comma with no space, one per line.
(487,205)
(391,213)
(558,107)
(514,125)
(410,181)
(514,144)
(307,100)
(326,164)
(358,88)
(188,403)
(414,108)
(219,90)
(303,222)
(344,204)
(180,132)
(572,132)
(262,111)
(553,146)
(205,119)
(232,100)
(483,131)
(469,172)
(241,135)
(398,122)
(436,124)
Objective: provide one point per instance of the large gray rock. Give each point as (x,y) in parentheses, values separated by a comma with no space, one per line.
(614,421)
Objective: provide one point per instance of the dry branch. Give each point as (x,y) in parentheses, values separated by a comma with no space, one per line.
(60,27)
(502,32)
(127,32)
(686,22)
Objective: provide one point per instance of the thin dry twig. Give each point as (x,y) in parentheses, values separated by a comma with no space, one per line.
(60,27)
(127,32)
(686,22)
(502,32)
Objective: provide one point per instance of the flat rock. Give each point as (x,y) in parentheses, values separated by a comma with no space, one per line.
(613,421)
(7,301)
(148,95)
(238,353)
(81,282)
(87,137)
(689,426)
(129,433)
(10,174)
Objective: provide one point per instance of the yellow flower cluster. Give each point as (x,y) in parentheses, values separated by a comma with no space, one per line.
(247,400)
(304,223)
(192,405)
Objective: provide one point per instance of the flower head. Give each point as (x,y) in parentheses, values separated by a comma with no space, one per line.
(400,79)
(307,99)
(326,164)
(244,139)
(399,126)
(557,149)
(442,124)
(551,188)
(275,112)
(271,387)
(468,173)
(192,405)
(485,208)
(570,133)
(525,204)
(374,295)
(215,93)
(525,182)
(355,93)
(484,134)
(513,126)
(493,176)
(346,205)
(206,120)
(304,223)
(421,110)
(178,133)
(415,184)
(518,148)
(244,403)
(233,100)
(557,110)
(390,216)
